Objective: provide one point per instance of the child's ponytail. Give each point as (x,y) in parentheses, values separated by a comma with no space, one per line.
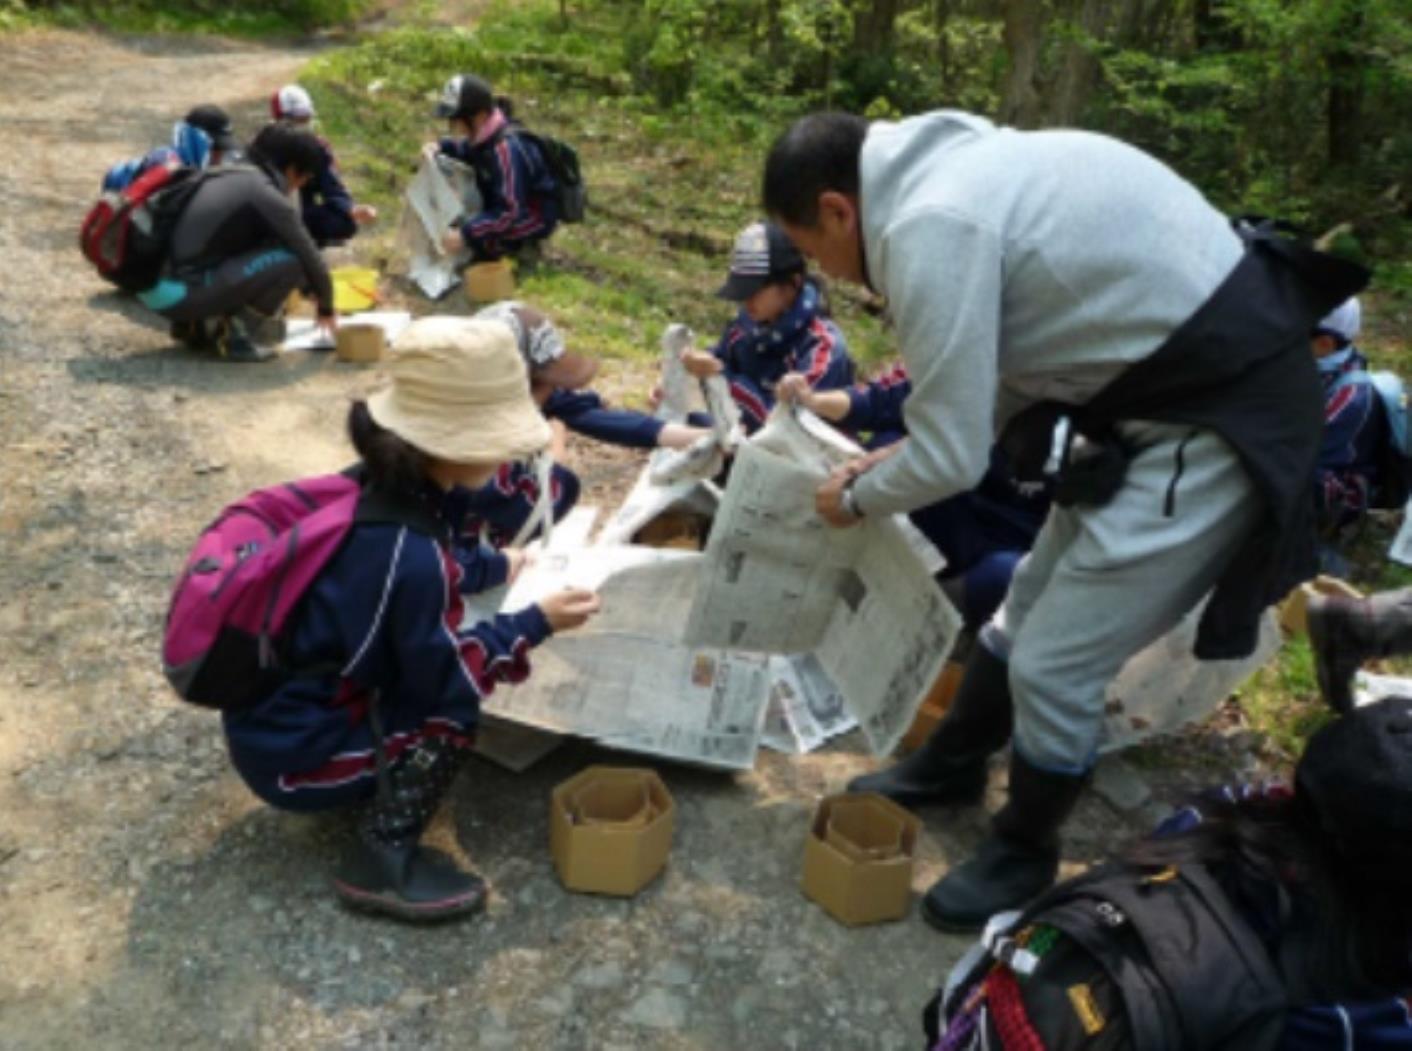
(389,462)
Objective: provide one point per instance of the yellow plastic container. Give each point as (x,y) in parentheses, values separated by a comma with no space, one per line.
(355,288)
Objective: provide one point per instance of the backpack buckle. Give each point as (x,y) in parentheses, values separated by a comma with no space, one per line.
(1014,956)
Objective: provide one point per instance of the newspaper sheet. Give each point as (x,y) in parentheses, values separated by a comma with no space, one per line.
(1369,688)
(649,499)
(305,334)
(777,579)
(1401,549)
(627,679)
(805,708)
(438,197)
(1164,686)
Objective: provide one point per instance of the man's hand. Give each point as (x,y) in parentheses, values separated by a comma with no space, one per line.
(430,150)
(452,242)
(701,364)
(828,498)
(327,324)
(569,608)
(364,214)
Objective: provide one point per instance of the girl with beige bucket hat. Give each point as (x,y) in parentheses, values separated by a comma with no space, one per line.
(393,714)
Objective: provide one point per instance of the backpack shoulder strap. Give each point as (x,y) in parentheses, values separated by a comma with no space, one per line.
(1351,378)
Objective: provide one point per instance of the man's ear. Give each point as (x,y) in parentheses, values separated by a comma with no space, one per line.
(837,211)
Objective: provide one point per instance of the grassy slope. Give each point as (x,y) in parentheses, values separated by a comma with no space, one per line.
(668,192)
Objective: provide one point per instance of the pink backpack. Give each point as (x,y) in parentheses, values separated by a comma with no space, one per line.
(245,576)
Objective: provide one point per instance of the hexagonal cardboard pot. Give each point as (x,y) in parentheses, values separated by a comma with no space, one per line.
(858,858)
(610,829)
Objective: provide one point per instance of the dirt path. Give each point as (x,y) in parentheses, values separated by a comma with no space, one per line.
(146,899)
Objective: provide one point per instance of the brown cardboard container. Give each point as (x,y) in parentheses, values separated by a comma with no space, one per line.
(1294,610)
(676,529)
(858,858)
(489,282)
(933,707)
(360,343)
(610,829)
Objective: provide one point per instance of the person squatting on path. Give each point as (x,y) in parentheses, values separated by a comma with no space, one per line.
(387,611)
(982,533)
(1036,280)
(783,326)
(202,139)
(325,203)
(239,249)
(516,186)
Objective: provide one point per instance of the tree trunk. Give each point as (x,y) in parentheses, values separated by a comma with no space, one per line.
(873,27)
(774,31)
(1346,91)
(941,15)
(1020,102)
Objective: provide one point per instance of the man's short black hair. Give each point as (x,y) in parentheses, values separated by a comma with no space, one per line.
(817,153)
(282,146)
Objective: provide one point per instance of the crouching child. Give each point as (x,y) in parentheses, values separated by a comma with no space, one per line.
(381,683)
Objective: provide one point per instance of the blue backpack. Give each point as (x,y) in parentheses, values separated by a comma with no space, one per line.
(1395,463)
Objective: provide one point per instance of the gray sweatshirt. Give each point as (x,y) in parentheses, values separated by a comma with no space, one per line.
(239,209)
(1018,267)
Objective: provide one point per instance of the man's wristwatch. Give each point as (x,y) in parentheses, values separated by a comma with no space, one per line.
(849,499)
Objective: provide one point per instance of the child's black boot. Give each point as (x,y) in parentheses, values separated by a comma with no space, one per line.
(950,767)
(387,870)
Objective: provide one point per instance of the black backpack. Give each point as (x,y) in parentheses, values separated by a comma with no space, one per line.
(562,160)
(1121,958)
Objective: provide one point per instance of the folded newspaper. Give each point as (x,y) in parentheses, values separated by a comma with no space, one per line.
(442,193)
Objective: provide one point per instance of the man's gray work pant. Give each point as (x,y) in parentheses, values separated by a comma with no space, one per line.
(1102,583)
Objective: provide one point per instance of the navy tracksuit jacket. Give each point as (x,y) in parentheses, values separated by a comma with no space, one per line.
(387,611)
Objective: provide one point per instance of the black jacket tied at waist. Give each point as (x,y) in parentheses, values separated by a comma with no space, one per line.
(1240,366)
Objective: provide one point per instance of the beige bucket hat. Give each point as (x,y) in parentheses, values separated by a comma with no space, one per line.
(460,392)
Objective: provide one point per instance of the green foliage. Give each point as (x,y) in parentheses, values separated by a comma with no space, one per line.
(669,187)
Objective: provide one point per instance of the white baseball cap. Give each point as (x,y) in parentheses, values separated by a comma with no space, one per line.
(1345,320)
(292,102)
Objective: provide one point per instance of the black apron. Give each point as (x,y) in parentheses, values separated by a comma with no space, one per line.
(1240,366)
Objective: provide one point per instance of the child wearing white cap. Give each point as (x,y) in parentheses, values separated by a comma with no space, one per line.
(329,211)
(393,724)
(1354,429)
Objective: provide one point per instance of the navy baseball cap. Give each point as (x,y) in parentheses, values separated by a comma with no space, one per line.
(762,253)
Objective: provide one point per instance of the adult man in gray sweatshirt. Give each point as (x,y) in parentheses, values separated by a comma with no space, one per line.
(1022,268)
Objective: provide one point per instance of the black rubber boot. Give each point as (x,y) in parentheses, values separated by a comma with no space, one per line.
(950,767)
(1017,861)
(387,870)
(1344,632)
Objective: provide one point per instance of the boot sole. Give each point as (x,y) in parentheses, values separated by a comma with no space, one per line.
(429,912)
(944,923)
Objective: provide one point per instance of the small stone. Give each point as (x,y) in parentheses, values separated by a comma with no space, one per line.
(1118,783)
(658,1009)
(671,972)
(601,976)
